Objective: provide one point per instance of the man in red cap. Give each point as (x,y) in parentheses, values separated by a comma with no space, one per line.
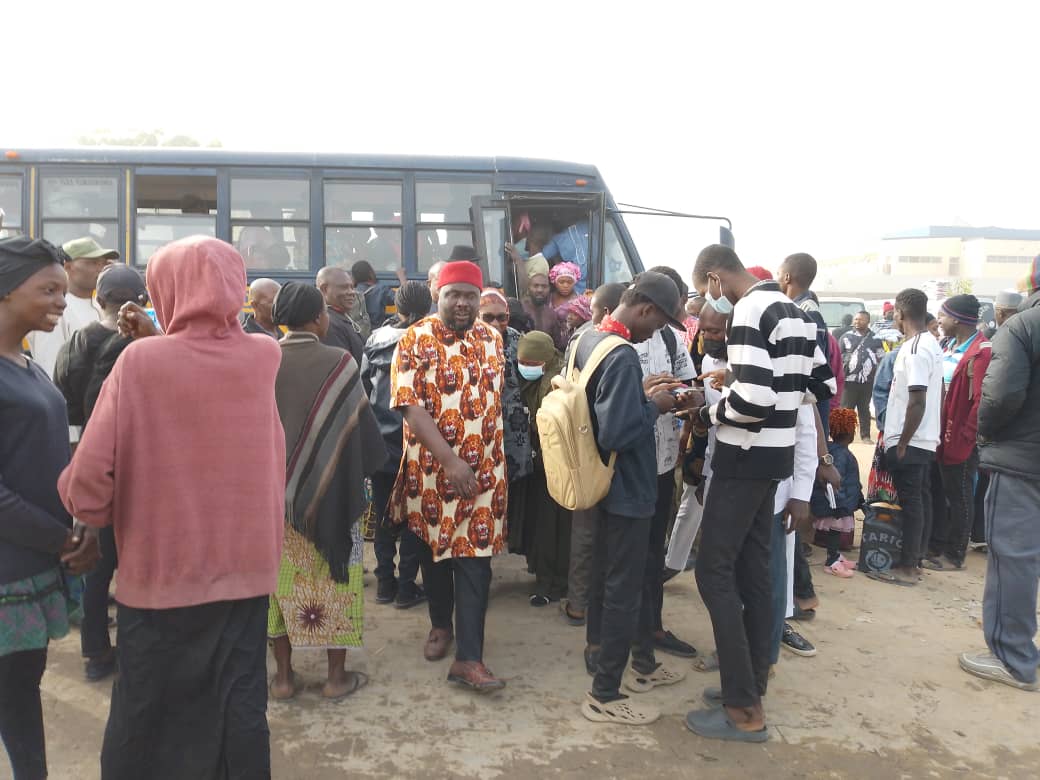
(446,380)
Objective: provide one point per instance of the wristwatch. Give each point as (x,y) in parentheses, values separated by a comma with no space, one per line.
(827,460)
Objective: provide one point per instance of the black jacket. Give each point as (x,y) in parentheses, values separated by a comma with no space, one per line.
(83,365)
(375,374)
(1009,413)
(345,334)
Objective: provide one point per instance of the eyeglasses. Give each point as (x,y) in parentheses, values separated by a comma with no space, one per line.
(488,317)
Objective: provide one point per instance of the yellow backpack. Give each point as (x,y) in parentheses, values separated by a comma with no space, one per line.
(574,472)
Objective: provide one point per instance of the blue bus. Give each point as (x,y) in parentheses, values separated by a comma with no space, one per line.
(290,214)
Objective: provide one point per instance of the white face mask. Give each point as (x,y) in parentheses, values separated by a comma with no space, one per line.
(721,304)
(530,373)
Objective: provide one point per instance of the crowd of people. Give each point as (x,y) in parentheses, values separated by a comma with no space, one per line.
(227,464)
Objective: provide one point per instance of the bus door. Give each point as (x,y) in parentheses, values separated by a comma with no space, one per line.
(571,221)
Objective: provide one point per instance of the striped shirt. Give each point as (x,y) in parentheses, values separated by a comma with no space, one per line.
(776,365)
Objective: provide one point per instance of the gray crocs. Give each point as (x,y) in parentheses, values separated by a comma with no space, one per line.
(712,696)
(715,724)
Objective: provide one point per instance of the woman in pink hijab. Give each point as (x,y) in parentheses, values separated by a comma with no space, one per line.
(563,277)
(185,458)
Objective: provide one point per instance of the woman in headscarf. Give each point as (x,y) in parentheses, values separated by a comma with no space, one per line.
(538,362)
(184,457)
(35,530)
(577,312)
(494,311)
(563,276)
(332,444)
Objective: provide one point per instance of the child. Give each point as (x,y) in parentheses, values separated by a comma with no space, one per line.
(847,499)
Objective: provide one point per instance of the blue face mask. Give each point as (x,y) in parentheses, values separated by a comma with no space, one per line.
(530,373)
(721,304)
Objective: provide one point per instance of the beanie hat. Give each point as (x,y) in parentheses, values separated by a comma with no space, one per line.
(963,308)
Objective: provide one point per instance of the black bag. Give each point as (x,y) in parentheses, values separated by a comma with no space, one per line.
(881,546)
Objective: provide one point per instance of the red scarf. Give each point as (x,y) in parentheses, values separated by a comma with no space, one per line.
(610,325)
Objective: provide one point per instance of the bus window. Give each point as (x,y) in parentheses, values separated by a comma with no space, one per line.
(270,223)
(363,222)
(80,205)
(173,207)
(617,267)
(444,219)
(11,204)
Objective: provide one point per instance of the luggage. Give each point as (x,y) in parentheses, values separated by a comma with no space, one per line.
(881,546)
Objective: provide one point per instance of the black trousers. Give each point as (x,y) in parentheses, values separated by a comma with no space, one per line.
(959,484)
(803,584)
(938,522)
(650,618)
(387,536)
(857,396)
(615,594)
(912,479)
(458,587)
(21,713)
(190,699)
(94,640)
(978,532)
(552,547)
(733,579)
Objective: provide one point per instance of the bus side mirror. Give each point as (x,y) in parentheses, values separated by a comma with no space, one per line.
(726,237)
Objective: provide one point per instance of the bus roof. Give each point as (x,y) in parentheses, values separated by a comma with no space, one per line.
(150,155)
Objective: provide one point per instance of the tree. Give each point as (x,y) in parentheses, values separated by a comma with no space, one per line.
(144,138)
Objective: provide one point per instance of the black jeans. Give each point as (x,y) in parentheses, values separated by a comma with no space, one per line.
(459,587)
(650,619)
(94,640)
(911,477)
(803,584)
(857,396)
(959,484)
(387,536)
(938,522)
(615,594)
(21,713)
(734,582)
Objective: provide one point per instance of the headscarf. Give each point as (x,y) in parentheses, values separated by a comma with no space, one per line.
(565,269)
(297,304)
(538,347)
(580,306)
(21,257)
(492,294)
(537,265)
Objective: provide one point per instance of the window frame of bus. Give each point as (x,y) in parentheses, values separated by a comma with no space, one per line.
(116,173)
(448,179)
(302,176)
(609,223)
(153,171)
(18,176)
(398,179)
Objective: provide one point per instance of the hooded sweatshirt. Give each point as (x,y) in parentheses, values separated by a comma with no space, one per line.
(185,453)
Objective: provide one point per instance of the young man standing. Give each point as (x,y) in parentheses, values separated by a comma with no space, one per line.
(860,354)
(965,361)
(912,430)
(446,380)
(87,260)
(623,419)
(1009,442)
(776,365)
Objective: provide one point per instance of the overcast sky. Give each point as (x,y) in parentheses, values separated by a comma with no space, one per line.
(812,126)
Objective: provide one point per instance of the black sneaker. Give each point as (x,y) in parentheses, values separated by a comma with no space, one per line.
(386,592)
(797,643)
(672,645)
(409,597)
(97,669)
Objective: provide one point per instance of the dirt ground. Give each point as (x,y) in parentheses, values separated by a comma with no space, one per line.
(883,698)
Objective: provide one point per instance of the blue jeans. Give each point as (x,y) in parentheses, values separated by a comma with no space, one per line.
(778,578)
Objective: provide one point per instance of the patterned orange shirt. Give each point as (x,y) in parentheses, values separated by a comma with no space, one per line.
(459,382)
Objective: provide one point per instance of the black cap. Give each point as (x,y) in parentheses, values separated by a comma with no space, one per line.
(120,277)
(662,291)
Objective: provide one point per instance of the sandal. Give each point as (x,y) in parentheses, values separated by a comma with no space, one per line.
(570,617)
(838,570)
(621,711)
(707,663)
(360,681)
(638,682)
(714,723)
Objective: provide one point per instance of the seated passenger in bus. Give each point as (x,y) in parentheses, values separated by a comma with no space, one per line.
(572,245)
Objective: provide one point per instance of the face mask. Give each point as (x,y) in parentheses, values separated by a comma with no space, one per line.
(717,349)
(720,304)
(530,373)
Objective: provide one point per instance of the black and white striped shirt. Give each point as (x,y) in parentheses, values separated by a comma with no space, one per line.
(776,365)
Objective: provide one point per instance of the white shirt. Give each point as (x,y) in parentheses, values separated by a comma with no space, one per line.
(655,359)
(44,346)
(806,459)
(918,365)
(712,395)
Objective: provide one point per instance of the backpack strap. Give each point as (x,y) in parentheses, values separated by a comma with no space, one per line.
(604,348)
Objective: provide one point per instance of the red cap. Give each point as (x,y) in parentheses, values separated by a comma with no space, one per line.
(460,272)
(760,273)
(886,307)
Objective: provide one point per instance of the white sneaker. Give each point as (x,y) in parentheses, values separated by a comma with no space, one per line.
(989,667)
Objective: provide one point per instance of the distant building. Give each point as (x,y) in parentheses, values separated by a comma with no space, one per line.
(992,258)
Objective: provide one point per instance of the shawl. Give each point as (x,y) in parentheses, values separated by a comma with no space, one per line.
(332,444)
